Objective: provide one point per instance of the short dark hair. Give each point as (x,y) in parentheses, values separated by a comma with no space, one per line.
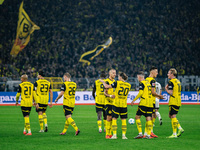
(141,73)
(103,74)
(67,75)
(123,75)
(153,68)
(41,72)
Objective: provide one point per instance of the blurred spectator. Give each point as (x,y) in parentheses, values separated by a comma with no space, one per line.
(145,33)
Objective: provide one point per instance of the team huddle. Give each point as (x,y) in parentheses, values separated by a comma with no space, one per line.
(111,100)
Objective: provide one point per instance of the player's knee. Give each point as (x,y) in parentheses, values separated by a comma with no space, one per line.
(109,118)
(137,117)
(99,114)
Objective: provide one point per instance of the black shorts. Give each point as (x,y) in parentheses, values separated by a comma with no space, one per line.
(119,111)
(68,110)
(173,109)
(25,110)
(154,108)
(145,111)
(108,110)
(100,107)
(42,107)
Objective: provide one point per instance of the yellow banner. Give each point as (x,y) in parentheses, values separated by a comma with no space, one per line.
(1,2)
(89,55)
(24,29)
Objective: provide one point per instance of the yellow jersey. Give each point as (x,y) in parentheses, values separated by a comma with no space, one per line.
(146,98)
(26,89)
(121,93)
(109,100)
(152,81)
(42,87)
(175,98)
(99,88)
(69,89)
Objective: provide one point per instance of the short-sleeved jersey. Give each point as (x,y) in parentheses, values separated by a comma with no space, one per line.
(99,88)
(108,100)
(152,81)
(69,89)
(26,89)
(146,98)
(121,93)
(175,98)
(158,88)
(42,87)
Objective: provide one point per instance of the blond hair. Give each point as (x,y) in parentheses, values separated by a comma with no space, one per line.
(173,71)
(67,75)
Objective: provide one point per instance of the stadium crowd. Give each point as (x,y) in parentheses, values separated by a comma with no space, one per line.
(161,33)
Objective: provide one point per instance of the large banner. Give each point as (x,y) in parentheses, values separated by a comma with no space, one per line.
(86,98)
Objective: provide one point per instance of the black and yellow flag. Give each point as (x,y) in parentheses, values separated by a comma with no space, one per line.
(24,29)
(89,55)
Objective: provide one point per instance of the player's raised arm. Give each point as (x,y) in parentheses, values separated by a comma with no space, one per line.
(107,86)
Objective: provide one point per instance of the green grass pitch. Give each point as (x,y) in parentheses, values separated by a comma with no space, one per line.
(12,123)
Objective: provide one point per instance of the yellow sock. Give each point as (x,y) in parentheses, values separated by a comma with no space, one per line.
(174,125)
(41,121)
(178,125)
(149,127)
(104,123)
(66,126)
(110,132)
(146,129)
(139,126)
(124,127)
(27,124)
(153,120)
(108,127)
(99,122)
(114,127)
(73,124)
(45,119)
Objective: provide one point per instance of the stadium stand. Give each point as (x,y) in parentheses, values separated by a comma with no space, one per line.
(145,33)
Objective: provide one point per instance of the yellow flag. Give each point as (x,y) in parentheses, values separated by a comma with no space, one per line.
(89,55)
(24,29)
(1,2)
